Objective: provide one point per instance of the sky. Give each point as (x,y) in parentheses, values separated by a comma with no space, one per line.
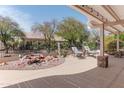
(28,15)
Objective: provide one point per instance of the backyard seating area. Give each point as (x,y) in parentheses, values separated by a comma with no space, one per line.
(90,52)
(77,52)
(65,50)
(35,61)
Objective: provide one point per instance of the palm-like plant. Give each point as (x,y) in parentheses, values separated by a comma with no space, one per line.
(9,30)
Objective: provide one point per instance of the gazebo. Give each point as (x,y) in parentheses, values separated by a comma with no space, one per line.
(106,18)
(59,39)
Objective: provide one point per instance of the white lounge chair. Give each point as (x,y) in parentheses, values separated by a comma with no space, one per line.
(91,52)
(77,52)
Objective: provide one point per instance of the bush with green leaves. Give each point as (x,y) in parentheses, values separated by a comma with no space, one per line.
(92,45)
(9,31)
(111,43)
(47,29)
(72,31)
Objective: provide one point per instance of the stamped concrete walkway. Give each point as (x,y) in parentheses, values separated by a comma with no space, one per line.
(72,65)
(80,75)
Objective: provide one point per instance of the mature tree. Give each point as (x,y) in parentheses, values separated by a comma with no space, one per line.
(121,37)
(9,31)
(47,29)
(95,35)
(94,39)
(111,42)
(72,30)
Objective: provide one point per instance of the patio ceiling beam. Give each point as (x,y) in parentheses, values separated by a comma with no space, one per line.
(116,17)
(116,29)
(109,23)
(112,13)
(110,31)
(93,13)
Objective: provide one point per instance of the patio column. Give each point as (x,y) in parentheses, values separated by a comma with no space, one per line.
(102,60)
(118,41)
(102,40)
(58,45)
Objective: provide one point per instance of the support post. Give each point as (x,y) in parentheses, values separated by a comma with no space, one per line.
(102,40)
(58,44)
(102,60)
(118,41)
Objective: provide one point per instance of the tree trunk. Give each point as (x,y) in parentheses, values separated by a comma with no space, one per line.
(6,51)
(6,47)
(49,45)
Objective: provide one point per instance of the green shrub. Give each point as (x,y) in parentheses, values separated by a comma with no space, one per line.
(64,53)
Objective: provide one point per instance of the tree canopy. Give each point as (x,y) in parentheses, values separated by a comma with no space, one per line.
(48,29)
(72,30)
(9,30)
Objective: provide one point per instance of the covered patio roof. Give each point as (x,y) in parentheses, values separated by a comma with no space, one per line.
(111,15)
(106,17)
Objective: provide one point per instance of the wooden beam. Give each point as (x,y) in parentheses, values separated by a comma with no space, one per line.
(112,12)
(110,31)
(93,13)
(112,23)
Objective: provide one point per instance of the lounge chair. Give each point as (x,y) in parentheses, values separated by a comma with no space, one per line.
(77,52)
(91,52)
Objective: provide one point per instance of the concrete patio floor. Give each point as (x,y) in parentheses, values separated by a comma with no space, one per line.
(72,74)
(72,65)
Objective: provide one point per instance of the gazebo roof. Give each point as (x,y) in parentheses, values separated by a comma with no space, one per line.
(111,15)
(58,38)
